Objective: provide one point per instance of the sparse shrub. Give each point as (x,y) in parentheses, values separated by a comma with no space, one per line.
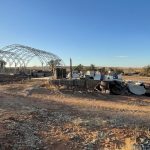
(118,71)
(146,71)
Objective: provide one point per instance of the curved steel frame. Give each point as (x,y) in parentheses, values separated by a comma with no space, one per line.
(20,55)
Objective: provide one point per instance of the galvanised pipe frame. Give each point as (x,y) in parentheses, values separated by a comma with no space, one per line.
(19,56)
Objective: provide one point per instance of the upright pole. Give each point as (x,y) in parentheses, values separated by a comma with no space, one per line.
(42,67)
(62,73)
(71,67)
(15,67)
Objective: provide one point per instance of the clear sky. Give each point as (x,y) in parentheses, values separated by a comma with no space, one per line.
(100,32)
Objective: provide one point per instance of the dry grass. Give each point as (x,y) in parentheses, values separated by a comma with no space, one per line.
(70,120)
(137,78)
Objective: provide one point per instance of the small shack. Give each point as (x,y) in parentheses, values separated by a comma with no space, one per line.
(60,73)
(2,64)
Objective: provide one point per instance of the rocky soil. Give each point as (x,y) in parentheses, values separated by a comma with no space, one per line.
(35,115)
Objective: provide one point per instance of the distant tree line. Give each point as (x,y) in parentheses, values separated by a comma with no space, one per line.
(92,67)
(82,68)
(145,71)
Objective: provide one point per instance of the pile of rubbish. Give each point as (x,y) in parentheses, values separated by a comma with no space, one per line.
(110,82)
(95,75)
(120,87)
(112,86)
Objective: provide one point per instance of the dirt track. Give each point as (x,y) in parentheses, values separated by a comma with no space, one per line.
(34,115)
(137,78)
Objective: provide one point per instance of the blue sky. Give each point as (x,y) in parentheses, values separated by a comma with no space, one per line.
(100,32)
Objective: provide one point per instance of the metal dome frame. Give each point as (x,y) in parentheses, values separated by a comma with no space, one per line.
(20,55)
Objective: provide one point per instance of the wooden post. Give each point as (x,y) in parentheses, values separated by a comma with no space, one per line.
(71,67)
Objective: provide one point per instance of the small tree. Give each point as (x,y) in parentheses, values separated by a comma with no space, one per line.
(146,71)
(103,70)
(53,63)
(79,68)
(92,67)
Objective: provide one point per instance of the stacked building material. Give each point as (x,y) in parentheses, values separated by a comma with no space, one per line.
(5,78)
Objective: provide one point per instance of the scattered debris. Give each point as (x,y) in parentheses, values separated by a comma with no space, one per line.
(115,87)
(37,116)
